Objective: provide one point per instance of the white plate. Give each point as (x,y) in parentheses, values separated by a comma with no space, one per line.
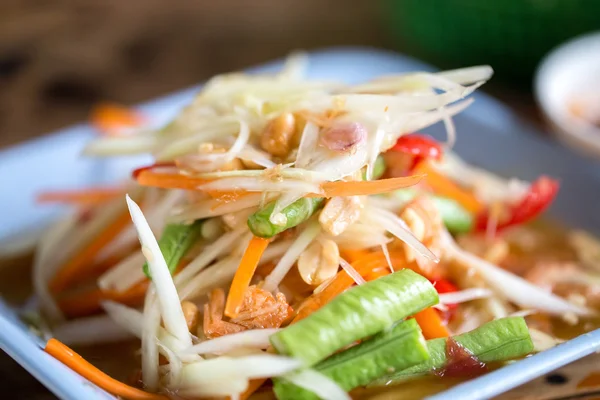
(488,135)
(571,70)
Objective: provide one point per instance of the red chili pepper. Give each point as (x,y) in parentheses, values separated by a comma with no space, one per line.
(136,172)
(421,147)
(540,195)
(445,286)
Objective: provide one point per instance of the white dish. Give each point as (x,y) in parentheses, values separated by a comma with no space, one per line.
(490,136)
(571,70)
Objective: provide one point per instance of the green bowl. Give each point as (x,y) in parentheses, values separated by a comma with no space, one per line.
(510,35)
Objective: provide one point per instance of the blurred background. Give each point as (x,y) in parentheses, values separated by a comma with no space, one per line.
(59,57)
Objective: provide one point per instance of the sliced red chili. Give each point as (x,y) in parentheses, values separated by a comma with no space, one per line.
(538,198)
(420,147)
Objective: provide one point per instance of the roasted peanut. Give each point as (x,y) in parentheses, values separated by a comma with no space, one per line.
(339,213)
(278,135)
(190,312)
(319,262)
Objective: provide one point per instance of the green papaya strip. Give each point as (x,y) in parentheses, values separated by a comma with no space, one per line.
(395,349)
(356,314)
(498,340)
(296,213)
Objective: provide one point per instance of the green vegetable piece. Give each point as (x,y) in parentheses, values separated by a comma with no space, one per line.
(296,213)
(498,340)
(455,217)
(175,241)
(355,314)
(378,169)
(396,349)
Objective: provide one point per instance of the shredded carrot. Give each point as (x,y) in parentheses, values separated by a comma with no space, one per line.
(157,165)
(227,196)
(377,273)
(329,189)
(67,356)
(110,118)
(351,255)
(80,197)
(243,275)
(431,324)
(88,302)
(83,260)
(365,188)
(168,180)
(443,186)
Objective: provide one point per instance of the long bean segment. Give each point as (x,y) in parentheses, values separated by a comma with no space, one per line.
(396,349)
(175,241)
(499,340)
(356,314)
(296,213)
(456,218)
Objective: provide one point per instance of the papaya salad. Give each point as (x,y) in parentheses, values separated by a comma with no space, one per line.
(301,239)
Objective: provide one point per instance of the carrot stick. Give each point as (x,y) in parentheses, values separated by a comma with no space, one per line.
(157,165)
(91,196)
(352,255)
(329,189)
(431,324)
(169,180)
(364,188)
(78,364)
(443,186)
(82,261)
(377,273)
(88,302)
(109,118)
(244,274)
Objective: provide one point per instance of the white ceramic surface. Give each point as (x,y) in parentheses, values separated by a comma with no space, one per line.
(569,71)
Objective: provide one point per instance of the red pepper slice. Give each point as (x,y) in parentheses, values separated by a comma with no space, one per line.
(421,147)
(445,286)
(538,198)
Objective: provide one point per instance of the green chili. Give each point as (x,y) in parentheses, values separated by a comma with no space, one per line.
(355,314)
(396,349)
(455,217)
(175,241)
(296,213)
(498,340)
